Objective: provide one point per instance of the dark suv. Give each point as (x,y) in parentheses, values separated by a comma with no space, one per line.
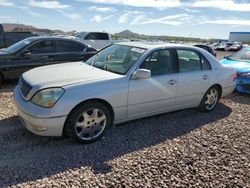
(207,48)
(39,51)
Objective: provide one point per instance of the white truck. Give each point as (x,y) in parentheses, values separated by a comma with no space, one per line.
(97,40)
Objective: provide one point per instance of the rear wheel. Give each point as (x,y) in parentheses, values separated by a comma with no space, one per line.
(88,122)
(210,99)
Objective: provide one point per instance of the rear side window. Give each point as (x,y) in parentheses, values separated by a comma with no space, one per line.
(191,61)
(47,46)
(97,36)
(159,63)
(69,46)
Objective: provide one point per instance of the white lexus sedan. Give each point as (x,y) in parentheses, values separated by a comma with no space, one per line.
(122,82)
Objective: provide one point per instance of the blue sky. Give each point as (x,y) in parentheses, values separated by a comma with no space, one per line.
(195,18)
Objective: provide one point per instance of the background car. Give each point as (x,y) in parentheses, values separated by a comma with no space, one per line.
(97,40)
(236,47)
(241,62)
(39,51)
(207,48)
(122,82)
(223,46)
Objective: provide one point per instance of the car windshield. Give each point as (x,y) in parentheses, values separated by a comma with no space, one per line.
(243,55)
(116,58)
(81,34)
(17,46)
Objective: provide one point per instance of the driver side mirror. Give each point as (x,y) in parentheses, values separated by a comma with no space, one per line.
(26,53)
(141,74)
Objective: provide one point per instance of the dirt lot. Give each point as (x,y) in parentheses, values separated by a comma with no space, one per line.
(179,149)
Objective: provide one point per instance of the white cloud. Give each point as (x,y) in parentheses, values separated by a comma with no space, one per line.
(175,20)
(234,22)
(161,4)
(48,4)
(102,9)
(123,18)
(191,10)
(34,13)
(98,18)
(138,19)
(72,16)
(222,4)
(6,3)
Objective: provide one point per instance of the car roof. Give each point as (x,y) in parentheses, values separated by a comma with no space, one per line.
(34,38)
(152,45)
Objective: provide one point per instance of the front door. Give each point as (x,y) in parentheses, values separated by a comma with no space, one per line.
(39,54)
(156,94)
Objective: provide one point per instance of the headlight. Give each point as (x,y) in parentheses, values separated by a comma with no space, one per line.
(47,98)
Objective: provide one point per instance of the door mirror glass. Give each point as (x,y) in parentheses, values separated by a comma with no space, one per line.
(141,74)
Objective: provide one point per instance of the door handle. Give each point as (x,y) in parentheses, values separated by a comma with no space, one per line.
(171,82)
(205,77)
(50,59)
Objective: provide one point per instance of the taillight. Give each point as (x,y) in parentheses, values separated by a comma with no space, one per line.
(234,76)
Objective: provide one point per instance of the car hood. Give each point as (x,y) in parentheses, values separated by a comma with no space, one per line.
(60,75)
(240,66)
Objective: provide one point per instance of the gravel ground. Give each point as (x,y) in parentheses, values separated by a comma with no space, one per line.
(179,149)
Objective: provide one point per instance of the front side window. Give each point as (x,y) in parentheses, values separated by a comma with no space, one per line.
(116,58)
(47,46)
(159,62)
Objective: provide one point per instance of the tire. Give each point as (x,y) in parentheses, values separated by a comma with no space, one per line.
(88,122)
(210,99)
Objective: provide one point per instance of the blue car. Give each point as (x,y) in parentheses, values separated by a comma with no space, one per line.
(241,62)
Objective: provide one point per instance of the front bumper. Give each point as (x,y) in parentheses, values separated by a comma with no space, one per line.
(243,84)
(44,126)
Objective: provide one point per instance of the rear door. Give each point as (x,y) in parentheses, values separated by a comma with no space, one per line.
(193,77)
(68,50)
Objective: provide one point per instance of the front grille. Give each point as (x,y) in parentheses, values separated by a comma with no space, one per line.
(24,87)
(246,87)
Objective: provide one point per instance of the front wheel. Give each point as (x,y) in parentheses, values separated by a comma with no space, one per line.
(209,100)
(88,122)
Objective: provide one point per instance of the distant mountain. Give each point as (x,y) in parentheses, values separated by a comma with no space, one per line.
(127,34)
(12,27)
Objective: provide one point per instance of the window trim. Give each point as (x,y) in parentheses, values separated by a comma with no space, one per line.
(200,57)
(172,52)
